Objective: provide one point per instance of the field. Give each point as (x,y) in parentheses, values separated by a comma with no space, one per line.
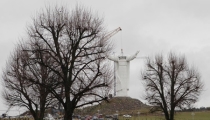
(179,116)
(133,107)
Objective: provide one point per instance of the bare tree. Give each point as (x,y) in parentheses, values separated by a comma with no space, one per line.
(171,84)
(20,90)
(75,41)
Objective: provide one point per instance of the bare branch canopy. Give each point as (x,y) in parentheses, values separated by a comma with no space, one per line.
(171,84)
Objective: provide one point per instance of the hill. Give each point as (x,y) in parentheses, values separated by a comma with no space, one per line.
(116,105)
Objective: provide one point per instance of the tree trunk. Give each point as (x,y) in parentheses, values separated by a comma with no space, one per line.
(166,115)
(42,110)
(68,113)
(172,114)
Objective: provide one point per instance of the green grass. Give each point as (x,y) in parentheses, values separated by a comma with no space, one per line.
(205,115)
(189,116)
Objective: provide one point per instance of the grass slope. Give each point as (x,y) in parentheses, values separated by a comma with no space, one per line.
(120,105)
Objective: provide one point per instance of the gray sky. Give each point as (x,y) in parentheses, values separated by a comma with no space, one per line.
(151,26)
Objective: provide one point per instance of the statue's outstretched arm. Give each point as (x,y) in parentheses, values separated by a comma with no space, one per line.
(132,57)
(112,58)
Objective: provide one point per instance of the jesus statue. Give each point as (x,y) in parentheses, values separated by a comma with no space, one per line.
(122,66)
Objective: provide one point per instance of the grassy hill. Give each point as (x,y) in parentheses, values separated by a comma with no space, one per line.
(119,105)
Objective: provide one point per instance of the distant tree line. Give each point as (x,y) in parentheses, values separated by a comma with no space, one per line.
(195,109)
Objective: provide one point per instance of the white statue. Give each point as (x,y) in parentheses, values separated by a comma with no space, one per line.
(122,66)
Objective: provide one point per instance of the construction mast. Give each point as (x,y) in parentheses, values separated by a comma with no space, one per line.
(109,35)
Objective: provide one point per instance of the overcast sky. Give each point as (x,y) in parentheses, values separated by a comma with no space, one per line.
(151,26)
